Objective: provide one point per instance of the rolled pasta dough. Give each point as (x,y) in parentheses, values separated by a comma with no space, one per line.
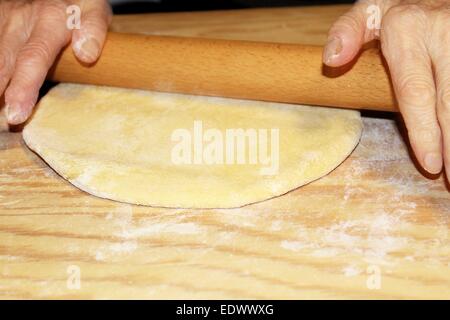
(174,150)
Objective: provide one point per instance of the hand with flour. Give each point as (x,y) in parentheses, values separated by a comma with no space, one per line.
(32,33)
(415,40)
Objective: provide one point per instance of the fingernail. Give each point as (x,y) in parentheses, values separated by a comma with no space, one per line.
(15,114)
(332,49)
(88,48)
(433,162)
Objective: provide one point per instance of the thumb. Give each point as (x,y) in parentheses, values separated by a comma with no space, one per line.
(351,31)
(88,40)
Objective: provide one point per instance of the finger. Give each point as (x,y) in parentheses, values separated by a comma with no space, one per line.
(33,62)
(412,78)
(13,37)
(442,75)
(87,42)
(351,31)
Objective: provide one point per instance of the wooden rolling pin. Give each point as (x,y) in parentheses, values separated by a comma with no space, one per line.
(288,73)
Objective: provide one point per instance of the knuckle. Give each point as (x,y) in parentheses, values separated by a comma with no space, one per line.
(35,52)
(416,90)
(54,8)
(16,20)
(400,15)
(51,10)
(405,10)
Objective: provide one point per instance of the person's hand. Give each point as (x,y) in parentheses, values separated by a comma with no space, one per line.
(415,41)
(32,33)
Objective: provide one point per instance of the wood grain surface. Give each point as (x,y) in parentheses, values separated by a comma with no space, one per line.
(374,228)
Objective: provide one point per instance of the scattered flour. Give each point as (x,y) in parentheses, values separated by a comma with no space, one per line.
(351,271)
(131,230)
(293,245)
(111,250)
(276,225)
(158,228)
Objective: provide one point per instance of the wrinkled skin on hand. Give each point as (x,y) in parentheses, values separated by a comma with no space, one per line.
(415,41)
(32,33)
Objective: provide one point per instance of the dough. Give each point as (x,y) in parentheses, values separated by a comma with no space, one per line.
(174,150)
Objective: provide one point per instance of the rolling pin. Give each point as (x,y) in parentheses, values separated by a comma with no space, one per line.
(288,73)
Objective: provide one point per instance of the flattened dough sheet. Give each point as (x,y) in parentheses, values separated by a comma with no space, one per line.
(119,144)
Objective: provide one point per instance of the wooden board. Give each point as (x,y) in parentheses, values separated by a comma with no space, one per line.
(374,228)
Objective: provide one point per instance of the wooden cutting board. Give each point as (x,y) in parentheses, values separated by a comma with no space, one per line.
(374,228)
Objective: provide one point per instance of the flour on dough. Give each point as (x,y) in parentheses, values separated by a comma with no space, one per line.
(132,145)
